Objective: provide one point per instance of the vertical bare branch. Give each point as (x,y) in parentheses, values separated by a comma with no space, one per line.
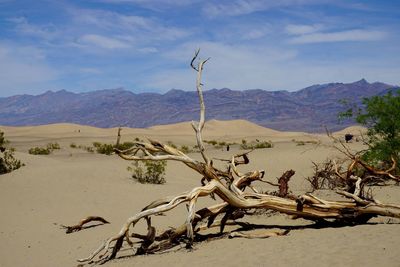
(198,127)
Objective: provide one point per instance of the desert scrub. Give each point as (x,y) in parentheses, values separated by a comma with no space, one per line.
(39,151)
(53,146)
(171,144)
(185,149)
(303,143)
(73,145)
(255,145)
(108,149)
(44,150)
(101,148)
(149,172)
(124,145)
(7,161)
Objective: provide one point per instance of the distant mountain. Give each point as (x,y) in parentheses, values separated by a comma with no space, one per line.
(308,109)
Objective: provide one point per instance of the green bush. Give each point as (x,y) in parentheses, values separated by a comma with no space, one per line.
(7,161)
(211,142)
(101,148)
(44,150)
(39,151)
(73,145)
(125,145)
(381,115)
(169,143)
(53,146)
(149,172)
(185,149)
(255,145)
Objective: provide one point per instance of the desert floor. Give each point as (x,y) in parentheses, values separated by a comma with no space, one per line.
(71,183)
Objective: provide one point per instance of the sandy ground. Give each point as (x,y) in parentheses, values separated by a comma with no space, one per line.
(70,184)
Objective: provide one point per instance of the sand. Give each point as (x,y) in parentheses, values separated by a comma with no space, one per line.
(71,183)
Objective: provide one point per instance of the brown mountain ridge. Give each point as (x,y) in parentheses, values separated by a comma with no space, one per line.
(308,110)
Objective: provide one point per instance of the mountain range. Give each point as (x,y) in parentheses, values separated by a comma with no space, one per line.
(308,109)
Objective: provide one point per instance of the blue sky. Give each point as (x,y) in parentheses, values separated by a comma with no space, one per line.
(146,45)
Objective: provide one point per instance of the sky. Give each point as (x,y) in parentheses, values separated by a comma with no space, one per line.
(147,45)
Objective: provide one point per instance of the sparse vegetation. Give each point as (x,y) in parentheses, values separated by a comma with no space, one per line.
(149,172)
(125,145)
(44,150)
(39,151)
(8,162)
(381,115)
(102,148)
(171,144)
(53,146)
(185,149)
(216,144)
(303,142)
(73,145)
(325,176)
(255,145)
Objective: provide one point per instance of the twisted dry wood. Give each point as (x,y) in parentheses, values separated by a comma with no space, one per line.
(81,225)
(229,185)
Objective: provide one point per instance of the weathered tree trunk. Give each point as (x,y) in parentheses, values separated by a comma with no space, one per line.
(230,186)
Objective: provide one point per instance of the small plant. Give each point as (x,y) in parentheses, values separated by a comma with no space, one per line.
(39,151)
(125,145)
(211,142)
(171,144)
(101,148)
(149,172)
(255,145)
(88,149)
(44,150)
(325,177)
(7,161)
(73,145)
(185,149)
(53,146)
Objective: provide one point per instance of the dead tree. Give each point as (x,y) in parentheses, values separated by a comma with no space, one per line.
(229,185)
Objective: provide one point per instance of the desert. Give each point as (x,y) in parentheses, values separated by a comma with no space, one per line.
(196,133)
(70,184)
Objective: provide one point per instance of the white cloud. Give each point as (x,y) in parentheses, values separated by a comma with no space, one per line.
(148,50)
(234,8)
(89,70)
(233,66)
(154,4)
(102,42)
(243,7)
(22,26)
(140,29)
(300,29)
(341,36)
(24,68)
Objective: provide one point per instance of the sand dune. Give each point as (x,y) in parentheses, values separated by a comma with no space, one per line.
(70,184)
(355,130)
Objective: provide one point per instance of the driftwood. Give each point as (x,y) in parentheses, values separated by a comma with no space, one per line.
(83,224)
(230,186)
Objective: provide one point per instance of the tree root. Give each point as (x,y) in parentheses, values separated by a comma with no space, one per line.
(81,225)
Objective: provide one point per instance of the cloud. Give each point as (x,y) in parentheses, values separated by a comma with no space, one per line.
(300,29)
(235,8)
(102,42)
(137,28)
(22,26)
(24,68)
(232,66)
(340,36)
(243,7)
(89,70)
(156,5)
